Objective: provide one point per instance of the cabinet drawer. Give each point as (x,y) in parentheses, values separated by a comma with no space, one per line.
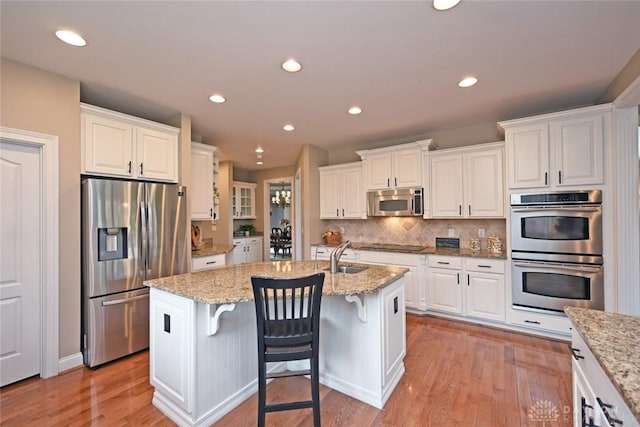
(208,262)
(549,322)
(484,265)
(440,261)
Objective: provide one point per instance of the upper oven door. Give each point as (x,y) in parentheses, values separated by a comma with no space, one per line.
(557,229)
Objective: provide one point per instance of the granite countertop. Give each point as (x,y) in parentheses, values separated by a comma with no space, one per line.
(211,248)
(424,250)
(614,339)
(233,284)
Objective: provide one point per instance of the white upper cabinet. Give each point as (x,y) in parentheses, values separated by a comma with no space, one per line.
(341,192)
(468,182)
(243,200)
(204,160)
(557,150)
(119,145)
(398,166)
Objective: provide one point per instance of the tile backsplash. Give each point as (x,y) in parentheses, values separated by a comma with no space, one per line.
(417,231)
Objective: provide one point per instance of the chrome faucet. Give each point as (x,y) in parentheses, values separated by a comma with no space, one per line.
(336,254)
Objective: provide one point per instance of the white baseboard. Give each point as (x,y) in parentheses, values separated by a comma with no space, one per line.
(69,362)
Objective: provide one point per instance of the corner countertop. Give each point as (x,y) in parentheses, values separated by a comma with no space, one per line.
(424,250)
(621,362)
(211,248)
(233,284)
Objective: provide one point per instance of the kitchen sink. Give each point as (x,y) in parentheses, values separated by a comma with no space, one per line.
(349,269)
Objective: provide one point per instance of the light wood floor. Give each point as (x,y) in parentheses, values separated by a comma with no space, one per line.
(457,374)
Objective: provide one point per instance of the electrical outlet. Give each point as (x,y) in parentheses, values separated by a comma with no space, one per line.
(342,230)
(452,232)
(481,232)
(213,227)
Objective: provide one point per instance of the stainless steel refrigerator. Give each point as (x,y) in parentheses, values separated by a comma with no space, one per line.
(131,231)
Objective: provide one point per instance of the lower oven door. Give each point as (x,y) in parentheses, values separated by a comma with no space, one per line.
(552,286)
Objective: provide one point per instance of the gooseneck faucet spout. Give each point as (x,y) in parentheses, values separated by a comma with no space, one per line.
(336,254)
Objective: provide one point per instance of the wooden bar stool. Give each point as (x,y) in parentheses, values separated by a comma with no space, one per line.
(288,319)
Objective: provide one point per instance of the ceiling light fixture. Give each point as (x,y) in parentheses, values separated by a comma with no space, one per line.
(467,82)
(291,66)
(259,162)
(217,98)
(354,110)
(259,150)
(444,4)
(288,128)
(69,37)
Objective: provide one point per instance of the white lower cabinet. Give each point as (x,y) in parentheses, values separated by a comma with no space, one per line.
(472,287)
(208,262)
(247,250)
(415,290)
(596,402)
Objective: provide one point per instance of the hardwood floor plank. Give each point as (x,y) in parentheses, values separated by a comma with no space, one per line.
(457,374)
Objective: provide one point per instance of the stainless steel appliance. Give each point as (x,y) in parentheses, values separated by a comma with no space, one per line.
(398,202)
(556,250)
(131,231)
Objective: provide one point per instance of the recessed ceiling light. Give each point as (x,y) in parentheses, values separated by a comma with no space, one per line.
(355,110)
(259,150)
(444,4)
(259,163)
(288,128)
(71,38)
(291,66)
(468,82)
(217,98)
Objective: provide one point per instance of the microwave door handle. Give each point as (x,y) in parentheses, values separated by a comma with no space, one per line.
(557,208)
(582,269)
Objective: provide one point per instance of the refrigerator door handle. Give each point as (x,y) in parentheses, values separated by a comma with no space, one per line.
(124,300)
(143,237)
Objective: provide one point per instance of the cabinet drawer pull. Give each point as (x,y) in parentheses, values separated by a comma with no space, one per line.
(574,352)
(605,407)
(483,266)
(535,322)
(212,262)
(443,262)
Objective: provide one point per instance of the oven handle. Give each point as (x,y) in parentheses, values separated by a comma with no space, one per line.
(546,266)
(557,208)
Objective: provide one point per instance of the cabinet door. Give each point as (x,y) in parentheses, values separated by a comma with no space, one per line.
(254,250)
(445,290)
(157,155)
(584,403)
(353,194)
(485,296)
(407,168)
(247,202)
(172,342)
(201,193)
(446,186)
(578,147)
(484,186)
(379,171)
(108,146)
(528,156)
(330,194)
(240,254)
(394,326)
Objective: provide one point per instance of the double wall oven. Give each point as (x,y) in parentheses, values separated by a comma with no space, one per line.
(556,241)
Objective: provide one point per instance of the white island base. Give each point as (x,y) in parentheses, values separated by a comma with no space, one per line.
(204,361)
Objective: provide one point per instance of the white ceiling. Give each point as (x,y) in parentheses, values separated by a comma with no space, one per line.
(399,60)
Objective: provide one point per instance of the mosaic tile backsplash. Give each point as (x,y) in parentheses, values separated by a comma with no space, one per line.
(417,231)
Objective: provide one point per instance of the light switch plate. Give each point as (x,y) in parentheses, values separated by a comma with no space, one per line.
(452,232)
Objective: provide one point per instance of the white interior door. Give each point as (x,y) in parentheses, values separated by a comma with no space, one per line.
(20,260)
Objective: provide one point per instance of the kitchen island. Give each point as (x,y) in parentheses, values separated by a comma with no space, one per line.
(203,343)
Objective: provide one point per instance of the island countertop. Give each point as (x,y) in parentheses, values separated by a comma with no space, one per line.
(621,362)
(233,284)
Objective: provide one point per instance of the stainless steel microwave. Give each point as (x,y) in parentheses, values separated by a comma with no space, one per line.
(398,202)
